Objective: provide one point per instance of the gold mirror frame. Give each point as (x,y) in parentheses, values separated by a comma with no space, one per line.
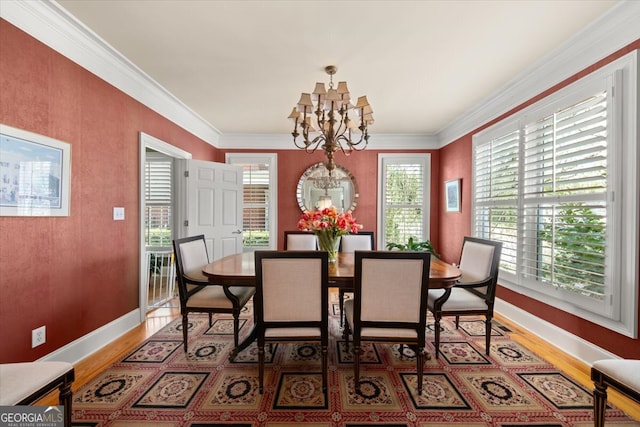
(308,195)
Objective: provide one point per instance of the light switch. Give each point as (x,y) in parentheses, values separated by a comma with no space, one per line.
(118,214)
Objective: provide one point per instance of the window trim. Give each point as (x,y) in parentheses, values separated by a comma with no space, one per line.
(622,76)
(384,158)
(272,160)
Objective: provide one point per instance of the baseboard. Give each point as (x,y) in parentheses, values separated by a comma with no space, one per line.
(95,340)
(573,345)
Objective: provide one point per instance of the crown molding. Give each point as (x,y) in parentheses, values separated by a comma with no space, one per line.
(52,25)
(285,142)
(609,33)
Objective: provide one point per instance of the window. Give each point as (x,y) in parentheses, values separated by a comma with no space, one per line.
(258,207)
(158,200)
(404,203)
(547,183)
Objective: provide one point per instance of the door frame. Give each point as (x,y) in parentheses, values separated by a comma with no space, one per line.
(156,144)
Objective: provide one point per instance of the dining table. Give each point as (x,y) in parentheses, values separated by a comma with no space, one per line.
(239,270)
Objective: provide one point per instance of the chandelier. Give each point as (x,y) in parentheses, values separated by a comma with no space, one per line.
(326,182)
(332,128)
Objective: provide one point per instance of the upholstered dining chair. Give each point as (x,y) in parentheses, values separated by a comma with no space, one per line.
(197,295)
(300,241)
(475,291)
(286,311)
(389,303)
(349,243)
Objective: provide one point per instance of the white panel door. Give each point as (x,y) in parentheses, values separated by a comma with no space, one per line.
(213,205)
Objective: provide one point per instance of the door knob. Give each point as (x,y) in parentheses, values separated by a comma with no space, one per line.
(237,232)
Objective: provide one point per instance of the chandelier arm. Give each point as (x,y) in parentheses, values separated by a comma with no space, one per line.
(295,141)
(355,146)
(342,126)
(305,139)
(313,145)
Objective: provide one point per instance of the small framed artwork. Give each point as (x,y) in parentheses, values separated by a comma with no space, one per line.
(35,174)
(452,195)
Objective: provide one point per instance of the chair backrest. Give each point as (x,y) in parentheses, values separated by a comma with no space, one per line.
(300,241)
(362,241)
(292,287)
(390,288)
(479,262)
(191,256)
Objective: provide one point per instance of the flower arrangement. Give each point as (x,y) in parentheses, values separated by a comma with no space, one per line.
(328,225)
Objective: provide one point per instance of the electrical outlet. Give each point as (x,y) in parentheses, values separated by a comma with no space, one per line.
(38,336)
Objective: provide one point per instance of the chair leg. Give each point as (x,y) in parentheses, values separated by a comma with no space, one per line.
(325,366)
(599,404)
(436,333)
(260,367)
(236,328)
(457,322)
(420,367)
(185,330)
(210,319)
(341,303)
(356,366)
(345,334)
(487,332)
(66,397)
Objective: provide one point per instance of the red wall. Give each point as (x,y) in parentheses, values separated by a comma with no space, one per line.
(73,274)
(455,162)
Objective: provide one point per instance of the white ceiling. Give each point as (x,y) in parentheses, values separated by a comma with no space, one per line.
(241,65)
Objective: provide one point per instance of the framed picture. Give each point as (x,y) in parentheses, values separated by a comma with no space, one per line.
(452,195)
(35,174)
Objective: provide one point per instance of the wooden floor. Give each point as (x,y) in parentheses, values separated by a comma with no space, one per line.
(91,366)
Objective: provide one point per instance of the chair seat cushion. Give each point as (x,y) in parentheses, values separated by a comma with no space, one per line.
(459,300)
(214,297)
(391,333)
(20,380)
(626,372)
(292,332)
(368,332)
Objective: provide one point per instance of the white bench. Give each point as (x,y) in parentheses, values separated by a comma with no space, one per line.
(26,383)
(620,374)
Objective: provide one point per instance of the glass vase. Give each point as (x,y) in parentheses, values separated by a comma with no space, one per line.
(329,243)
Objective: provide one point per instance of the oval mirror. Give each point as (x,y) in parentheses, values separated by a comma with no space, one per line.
(317,189)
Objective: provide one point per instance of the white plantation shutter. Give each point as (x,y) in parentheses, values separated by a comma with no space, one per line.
(496,171)
(405,196)
(557,182)
(158,200)
(550,208)
(256,205)
(565,197)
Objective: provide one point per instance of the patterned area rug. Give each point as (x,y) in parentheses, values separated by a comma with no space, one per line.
(160,385)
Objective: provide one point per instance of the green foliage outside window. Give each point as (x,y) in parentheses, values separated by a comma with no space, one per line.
(255,238)
(158,237)
(404,214)
(578,241)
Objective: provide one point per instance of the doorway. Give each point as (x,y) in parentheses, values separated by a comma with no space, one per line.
(157,273)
